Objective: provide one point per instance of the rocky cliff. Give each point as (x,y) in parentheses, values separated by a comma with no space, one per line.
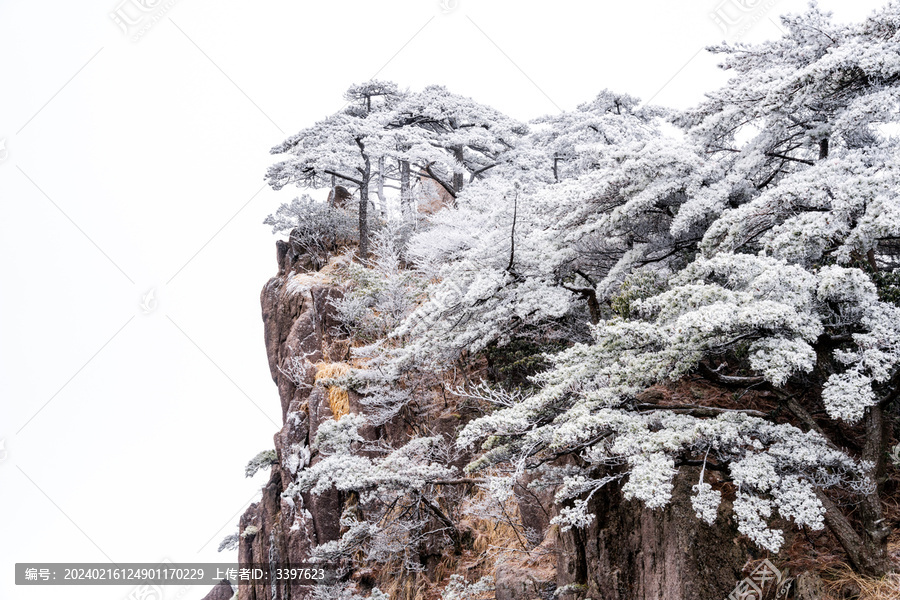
(632,552)
(300,332)
(629,552)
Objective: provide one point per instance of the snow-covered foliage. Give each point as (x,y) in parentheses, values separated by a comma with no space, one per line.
(790,225)
(348,148)
(338,146)
(522,251)
(314,227)
(755,251)
(378,298)
(343,591)
(229,542)
(706,502)
(451,138)
(405,468)
(394,487)
(459,589)
(262,460)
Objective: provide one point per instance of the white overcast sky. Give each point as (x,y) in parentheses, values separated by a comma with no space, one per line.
(130,166)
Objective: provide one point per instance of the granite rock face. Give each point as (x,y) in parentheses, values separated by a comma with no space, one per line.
(631,552)
(301,331)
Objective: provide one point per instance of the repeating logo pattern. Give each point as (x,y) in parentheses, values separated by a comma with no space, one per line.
(762,579)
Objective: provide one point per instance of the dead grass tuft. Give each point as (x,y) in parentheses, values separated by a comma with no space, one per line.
(411,587)
(492,536)
(838,580)
(338,397)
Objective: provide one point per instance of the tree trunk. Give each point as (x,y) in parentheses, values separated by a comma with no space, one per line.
(364,221)
(875,532)
(380,189)
(405,192)
(867,552)
(366,172)
(858,550)
(458,176)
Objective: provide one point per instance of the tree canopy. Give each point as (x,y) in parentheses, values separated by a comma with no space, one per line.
(754,249)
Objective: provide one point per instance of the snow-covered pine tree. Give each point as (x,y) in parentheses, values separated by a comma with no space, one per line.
(757,252)
(449,137)
(348,147)
(788,296)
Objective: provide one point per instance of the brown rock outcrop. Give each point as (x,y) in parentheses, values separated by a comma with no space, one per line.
(432,197)
(301,332)
(338,196)
(630,552)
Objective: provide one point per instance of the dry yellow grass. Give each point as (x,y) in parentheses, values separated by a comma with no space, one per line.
(411,587)
(338,398)
(494,535)
(491,539)
(870,588)
(499,540)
